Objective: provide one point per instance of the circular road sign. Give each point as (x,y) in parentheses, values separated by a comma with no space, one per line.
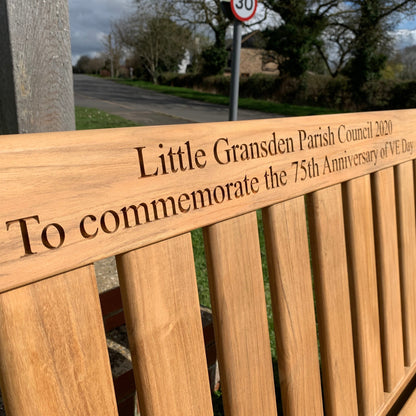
(243,9)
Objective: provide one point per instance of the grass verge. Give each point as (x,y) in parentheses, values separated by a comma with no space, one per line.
(247,103)
(91,118)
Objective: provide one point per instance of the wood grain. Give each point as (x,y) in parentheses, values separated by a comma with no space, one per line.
(293,307)
(383,194)
(53,353)
(36,71)
(332,300)
(405,203)
(240,317)
(87,181)
(160,299)
(358,213)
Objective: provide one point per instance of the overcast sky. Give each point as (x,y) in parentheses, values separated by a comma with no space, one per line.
(91,20)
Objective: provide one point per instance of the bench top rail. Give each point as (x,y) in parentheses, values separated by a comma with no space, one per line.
(340,188)
(98,193)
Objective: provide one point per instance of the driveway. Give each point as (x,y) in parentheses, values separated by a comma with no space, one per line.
(148,107)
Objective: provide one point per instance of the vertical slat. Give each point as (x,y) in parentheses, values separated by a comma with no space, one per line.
(364,296)
(332,300)
(293,307)
(160,299)
(388,276)
(405,202)
(240,318)
(53,353)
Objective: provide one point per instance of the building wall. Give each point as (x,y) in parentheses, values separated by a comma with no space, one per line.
(256,61)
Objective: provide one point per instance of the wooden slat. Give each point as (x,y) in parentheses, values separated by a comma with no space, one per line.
(384,204)
(53,353)
(332,301)
(160,298)
(364,296)
(409,409)
(405,202)
(392,400)
(293,307)
(240,318)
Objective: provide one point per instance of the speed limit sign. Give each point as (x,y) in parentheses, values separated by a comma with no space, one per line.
(243,9)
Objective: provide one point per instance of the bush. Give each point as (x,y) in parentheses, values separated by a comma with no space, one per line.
(214,60)
(310,90)
(403,95)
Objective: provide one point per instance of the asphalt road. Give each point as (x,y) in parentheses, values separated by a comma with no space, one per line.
(148,107)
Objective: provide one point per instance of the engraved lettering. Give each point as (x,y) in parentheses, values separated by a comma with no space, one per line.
(104,222)
(24,232)
(225,153)
(84,232)
(143,173)
(185,197)
(45,238)
(135,210)
(321,138)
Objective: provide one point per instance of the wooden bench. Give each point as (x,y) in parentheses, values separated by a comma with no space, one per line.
(69,199)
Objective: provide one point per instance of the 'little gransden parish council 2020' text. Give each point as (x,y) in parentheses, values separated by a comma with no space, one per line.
(185,158)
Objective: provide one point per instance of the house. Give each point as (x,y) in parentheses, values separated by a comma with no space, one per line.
(255,59)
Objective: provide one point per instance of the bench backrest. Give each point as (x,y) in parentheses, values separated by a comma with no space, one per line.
(69,199)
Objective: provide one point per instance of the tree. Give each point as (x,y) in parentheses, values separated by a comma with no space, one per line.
(87,65)
(113,52)
(154,38)
(304,22)
(82,64)
(209,13)
(408,60)
(202,14)
(370,22)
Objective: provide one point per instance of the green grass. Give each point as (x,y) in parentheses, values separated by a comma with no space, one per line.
(91,118)
(247,103)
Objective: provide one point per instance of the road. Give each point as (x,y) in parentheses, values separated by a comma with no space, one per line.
(147,107)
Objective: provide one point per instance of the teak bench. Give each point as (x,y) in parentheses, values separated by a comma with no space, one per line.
(71,198)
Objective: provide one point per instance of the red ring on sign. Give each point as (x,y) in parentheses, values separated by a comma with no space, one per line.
(237,16)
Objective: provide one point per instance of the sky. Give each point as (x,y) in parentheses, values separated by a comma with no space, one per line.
(406,32)
(90,22)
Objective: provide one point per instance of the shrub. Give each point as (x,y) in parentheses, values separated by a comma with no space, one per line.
(214,60)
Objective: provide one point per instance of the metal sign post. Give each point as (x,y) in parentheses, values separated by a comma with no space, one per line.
(242,10)
(235,71)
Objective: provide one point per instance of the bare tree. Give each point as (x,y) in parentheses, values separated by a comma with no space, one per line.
(154,38)
(113,52)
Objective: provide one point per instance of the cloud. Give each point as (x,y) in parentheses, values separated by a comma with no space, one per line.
(404,38)
(90,22)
